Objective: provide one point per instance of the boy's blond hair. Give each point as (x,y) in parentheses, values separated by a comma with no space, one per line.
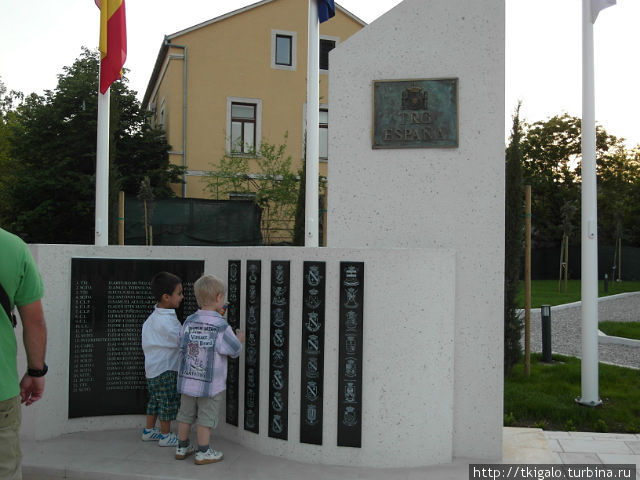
(207,288)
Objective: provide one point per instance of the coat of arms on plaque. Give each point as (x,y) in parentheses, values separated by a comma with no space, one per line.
(313,276)
(350,417)
(351,276)
(279,274)
(312,414)
(413,98)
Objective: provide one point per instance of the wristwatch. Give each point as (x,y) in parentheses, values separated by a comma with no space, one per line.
(32,372)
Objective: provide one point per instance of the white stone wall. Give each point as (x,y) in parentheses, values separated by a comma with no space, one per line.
(408,351)
(436,198)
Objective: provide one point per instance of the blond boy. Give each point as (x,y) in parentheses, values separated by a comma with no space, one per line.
(206,341)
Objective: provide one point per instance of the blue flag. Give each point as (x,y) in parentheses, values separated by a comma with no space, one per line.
(326,10)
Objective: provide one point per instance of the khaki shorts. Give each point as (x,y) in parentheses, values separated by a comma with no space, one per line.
(10,455)
(205,409)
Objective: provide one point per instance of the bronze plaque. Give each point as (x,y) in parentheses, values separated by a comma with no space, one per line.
(415,113)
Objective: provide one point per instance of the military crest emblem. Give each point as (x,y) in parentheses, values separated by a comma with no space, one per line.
(414,98)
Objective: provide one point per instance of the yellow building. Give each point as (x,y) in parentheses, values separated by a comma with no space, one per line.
(223,86)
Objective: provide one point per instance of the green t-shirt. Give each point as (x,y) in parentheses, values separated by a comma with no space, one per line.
(21,280)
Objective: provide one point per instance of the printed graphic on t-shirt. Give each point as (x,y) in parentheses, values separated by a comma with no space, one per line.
(197,350)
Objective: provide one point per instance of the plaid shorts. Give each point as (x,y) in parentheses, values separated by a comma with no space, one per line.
(164,399)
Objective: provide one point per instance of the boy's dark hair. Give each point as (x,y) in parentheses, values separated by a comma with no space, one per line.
(164,282)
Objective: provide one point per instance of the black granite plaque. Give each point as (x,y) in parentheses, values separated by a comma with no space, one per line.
(350,354)
(110,300)
(233,319)
(252,356)
(279,351)
(312,359)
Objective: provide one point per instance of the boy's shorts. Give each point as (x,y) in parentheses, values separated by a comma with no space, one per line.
(206,409)
(164,399)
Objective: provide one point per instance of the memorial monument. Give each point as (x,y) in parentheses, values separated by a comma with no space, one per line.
(417,160)
(383,350)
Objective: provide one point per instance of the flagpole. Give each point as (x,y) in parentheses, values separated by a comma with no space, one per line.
(313,112)
(589,283)
(102,170)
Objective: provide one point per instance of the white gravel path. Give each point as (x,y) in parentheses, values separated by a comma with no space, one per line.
(566,329)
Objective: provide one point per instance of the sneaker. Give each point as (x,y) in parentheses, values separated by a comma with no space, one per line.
(184,452)
(210,456)
(168,440)
(152,435)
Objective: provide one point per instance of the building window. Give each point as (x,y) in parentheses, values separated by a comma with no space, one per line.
(162,119)
(283,49)
(323,137)
(243,125)
(326,45)
(243,128)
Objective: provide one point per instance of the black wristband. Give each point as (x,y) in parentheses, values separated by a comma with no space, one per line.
(32,372)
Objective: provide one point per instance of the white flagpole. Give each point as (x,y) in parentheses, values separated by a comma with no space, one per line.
(589,364)
(102,170)
(313,107)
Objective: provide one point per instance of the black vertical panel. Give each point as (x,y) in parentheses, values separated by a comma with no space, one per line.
(110,301)
(350,354)
(312,367)
(233,319)
(279,352)
(252,356)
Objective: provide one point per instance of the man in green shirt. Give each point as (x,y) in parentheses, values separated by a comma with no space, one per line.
(22,284)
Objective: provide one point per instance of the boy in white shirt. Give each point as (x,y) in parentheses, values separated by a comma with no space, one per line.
(161,352)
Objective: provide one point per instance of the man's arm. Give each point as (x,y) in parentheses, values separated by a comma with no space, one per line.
(34,335)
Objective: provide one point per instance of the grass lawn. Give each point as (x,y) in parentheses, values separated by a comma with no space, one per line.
(545,399)
(621,329)
(545,292)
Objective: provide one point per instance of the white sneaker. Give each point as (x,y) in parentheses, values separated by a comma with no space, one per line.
(184,452)
(168,440)
(210,456)
(151,435)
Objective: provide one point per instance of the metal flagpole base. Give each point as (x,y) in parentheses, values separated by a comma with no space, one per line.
(588,403)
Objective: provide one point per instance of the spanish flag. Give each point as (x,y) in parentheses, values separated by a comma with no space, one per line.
(113,41)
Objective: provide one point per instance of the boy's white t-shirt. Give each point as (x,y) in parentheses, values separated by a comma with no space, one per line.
(160,334)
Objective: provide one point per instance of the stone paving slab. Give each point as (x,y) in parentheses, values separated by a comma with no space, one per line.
(596,448)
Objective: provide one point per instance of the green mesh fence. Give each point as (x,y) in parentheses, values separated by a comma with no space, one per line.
(191,221)
(545,262)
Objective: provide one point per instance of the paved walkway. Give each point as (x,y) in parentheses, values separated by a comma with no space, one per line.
(119,454)
(590,447)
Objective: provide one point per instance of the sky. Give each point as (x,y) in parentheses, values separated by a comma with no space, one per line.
(543,49)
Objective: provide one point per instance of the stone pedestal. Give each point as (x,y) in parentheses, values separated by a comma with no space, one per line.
(435,197)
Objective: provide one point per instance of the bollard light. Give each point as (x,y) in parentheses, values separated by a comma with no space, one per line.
(545,313)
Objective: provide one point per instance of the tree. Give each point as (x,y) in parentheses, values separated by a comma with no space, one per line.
(268,180)
(567,214)
(514,226)
(550,152)
(6,166)
(53,148)
(618,173)
(299,226)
